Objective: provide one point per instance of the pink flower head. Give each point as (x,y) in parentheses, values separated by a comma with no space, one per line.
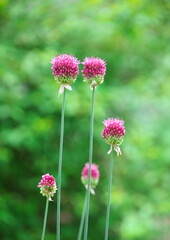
(94,71)
(47,186)
(65,68)
(94,176)
(114,132)
(94,171)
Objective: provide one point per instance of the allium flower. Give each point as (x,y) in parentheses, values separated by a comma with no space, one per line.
(113,133)
(65,69)
(94,71)
(94,176)
(47,186)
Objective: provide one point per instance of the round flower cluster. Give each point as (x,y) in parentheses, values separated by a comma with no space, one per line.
(114,132)
(47,186)
(94,71)
(94,176)
(65,68)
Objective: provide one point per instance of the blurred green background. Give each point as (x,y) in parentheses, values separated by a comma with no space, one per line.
(133,36)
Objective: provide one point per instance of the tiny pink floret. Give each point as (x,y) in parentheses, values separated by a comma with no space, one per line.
(94,171)
(113,121)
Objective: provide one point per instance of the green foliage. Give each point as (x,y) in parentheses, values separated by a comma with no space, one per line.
(133,37)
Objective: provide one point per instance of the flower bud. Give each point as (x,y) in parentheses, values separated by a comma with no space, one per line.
(94,71)
(65,69)
(47,186)
(113,133)
(94,176)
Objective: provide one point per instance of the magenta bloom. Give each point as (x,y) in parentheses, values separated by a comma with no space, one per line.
(94,176)
(65,68)
(94,71)
(113,133)
(94,171)
(47,186)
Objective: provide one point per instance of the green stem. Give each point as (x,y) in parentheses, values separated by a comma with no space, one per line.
(82,219)
(45,220)
(109,197)
(90,162)
(60,166)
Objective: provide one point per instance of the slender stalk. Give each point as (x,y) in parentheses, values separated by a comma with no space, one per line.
(45,220)
(90,162)
(60,166)
(82,219)
(109,196)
